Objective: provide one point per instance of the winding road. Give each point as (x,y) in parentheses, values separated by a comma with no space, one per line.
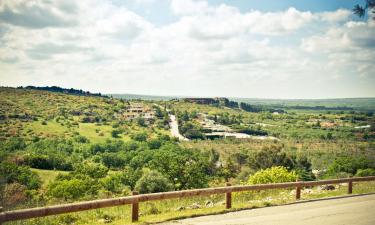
(174,128)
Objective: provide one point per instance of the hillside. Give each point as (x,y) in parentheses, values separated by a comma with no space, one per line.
(59,147)
(34,113)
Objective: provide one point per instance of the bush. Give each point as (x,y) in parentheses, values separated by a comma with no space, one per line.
(93,170)
(276,174)
(114,183)
(68,189)
(271,156)
(139,136)
(47,162)
(112,160)
(365,172)
(13,144)
(115,133)
(81,139)
(153,181)
(154,144)
(20,174)
(349,165)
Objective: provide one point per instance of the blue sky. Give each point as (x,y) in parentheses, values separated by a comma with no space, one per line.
(264,49)
(159,13)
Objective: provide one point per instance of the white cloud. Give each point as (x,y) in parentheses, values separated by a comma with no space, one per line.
(335,16)
(206,50)
(188,7)
(37,14)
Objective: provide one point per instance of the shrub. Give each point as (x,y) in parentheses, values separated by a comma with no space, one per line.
(142,136)
(365,172)
(115,133)
(48,161)
(13,144)
(114,183)
(81,139)
(20,174)
(276,174)
(112,160)
(68,189)
(154,144)
(348,165)
(153,181)
(93,170)
(271,156)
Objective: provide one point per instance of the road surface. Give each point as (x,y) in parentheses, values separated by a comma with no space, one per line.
(359,210)
(174,128)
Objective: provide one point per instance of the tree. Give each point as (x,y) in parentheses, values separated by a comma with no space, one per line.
(141,136)
(114,183)
(93,170)
(361,10)
(69,189)
(153,181)
(20,174)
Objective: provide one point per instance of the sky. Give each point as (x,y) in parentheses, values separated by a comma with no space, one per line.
(254,49)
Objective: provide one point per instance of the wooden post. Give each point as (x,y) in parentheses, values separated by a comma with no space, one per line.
(1,210)
(228,199)
(298,191)
(350,186)
(135,208)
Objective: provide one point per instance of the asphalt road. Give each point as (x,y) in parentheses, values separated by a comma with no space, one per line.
(359,210)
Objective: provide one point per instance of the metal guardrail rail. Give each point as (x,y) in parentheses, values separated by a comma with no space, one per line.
(136,198)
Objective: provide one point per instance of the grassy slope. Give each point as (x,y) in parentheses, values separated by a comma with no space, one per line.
(33,113)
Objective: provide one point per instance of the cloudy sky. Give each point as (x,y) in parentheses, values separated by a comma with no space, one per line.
(266,49)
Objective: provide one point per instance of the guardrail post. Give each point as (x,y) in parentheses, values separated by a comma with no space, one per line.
(228,198)
(350,186)
(1,210)
(298,190)
(135,208)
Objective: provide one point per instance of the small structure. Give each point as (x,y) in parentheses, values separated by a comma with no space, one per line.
(138,110)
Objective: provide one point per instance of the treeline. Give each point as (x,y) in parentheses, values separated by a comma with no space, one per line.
(319,107)
(71,91)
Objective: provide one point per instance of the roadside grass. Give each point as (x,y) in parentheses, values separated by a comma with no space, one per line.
(166,210)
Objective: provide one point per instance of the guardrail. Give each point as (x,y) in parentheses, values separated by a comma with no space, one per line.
(136,198)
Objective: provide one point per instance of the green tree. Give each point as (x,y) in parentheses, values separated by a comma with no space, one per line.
(153,181)
(21,174)
(93,170)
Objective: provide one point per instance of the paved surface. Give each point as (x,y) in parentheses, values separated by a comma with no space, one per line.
(359,210)
(174,128)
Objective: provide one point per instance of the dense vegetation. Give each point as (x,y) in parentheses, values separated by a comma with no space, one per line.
(63,90)
(91,151)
